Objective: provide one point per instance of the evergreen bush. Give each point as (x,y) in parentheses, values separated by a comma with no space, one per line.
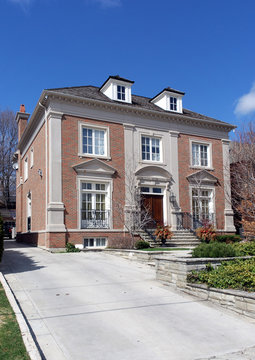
(141,244)
(214,250)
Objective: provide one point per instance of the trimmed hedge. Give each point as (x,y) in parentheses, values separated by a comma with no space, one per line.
(1,238)
(236,274)
(213,250)
(245,248)
(228,239)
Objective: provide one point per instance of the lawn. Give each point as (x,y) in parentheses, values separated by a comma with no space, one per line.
(11,343)
(164,249)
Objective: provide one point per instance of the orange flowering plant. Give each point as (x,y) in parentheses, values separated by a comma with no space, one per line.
(163,232)
(206,233)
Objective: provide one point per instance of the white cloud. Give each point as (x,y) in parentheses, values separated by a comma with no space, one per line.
(246,103)
(108,3)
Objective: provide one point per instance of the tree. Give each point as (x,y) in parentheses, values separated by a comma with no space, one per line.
(8,144)
(243,177)
(135,215)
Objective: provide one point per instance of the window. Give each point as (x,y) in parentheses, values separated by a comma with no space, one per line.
(202,206)
(93,141)
(95,211)
(151,149)
(154,190)
(200,155)
(29,207)
(121,92)
(173,103)
(95,242)
(31,158)
(25,169)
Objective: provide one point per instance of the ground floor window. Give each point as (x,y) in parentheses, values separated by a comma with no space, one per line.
(95,242)
(202,206)
(95,205)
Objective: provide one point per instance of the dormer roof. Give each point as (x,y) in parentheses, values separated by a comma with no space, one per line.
(116,77)
(169,99)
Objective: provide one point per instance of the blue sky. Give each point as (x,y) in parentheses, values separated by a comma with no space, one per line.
(205,48)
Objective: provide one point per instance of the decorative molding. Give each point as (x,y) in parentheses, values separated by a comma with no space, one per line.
(94,167)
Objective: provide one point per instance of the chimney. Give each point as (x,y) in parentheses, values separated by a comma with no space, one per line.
(21,118)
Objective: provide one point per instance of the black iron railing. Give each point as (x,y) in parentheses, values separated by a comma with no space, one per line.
(188,221)
(95,219)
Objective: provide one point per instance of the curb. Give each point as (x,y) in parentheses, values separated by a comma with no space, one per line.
(28,340)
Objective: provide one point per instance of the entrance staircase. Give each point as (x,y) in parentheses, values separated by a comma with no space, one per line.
(181,238)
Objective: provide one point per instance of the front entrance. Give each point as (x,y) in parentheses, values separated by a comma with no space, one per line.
(153,204)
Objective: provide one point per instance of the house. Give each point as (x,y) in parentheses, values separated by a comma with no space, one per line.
(83,146)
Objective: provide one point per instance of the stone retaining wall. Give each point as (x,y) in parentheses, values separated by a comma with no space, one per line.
(173,272)
(144,257)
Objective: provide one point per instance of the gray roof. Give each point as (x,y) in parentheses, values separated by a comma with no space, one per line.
(139,102)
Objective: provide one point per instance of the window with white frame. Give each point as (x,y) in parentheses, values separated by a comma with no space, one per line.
(95,205)
(25,169)
(95,242)
(31,158)
(200,155)
(29,211)
(173,103)
(94,141)
(121,92)
(151,148)
(202,206)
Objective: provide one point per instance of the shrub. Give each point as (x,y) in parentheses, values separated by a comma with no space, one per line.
(71,248)
(206,233)
(245,248)
(237,274)
(1,238)
(228,239)
(141,244)
(214,250)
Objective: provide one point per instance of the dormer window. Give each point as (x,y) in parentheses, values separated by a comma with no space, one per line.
(121,92)
(173,103)
(118,89)
(169,100)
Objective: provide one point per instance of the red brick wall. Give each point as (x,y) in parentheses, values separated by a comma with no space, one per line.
(185,170)
(70,157)
(35,184)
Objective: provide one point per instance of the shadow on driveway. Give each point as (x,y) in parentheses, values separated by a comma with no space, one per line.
(19,260)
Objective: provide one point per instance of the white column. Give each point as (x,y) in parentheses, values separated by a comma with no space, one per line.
(174,168)
(228,211)
(55,206)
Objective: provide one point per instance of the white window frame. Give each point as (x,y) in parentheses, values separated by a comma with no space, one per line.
(122,92)
(26,169)
(93,127)
(95,238)
(160,161)
(31,158)
(212,197)
(209,154)
(108,205)
(29,211)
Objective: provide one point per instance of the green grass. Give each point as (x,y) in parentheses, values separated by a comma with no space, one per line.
(11,343)
(164,249)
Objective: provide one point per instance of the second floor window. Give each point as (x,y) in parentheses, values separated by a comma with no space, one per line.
(93,141)
(121,92)
(25,169)
(151,149)
(200,155)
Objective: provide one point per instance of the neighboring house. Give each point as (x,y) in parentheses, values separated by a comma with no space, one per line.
(84,145)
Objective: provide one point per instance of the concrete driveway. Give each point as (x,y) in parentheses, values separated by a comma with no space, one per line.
(97,306)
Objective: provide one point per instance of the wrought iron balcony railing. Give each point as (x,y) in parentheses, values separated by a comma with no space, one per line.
(95,219)
(186,220)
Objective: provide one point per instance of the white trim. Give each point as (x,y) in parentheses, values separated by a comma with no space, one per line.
(31,158)
(209,153)
(25,170)
(107,147)
(94,239)
(109,182)
(151,136)
(203,187)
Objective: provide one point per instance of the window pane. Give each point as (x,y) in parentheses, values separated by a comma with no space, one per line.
(145,189)
(157,190)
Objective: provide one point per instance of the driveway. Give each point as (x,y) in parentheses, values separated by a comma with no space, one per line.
(95,306)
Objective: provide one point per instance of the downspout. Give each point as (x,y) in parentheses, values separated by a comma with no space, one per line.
(46,169)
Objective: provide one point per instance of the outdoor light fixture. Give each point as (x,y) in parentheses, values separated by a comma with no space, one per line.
(172,197)
(40,172)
